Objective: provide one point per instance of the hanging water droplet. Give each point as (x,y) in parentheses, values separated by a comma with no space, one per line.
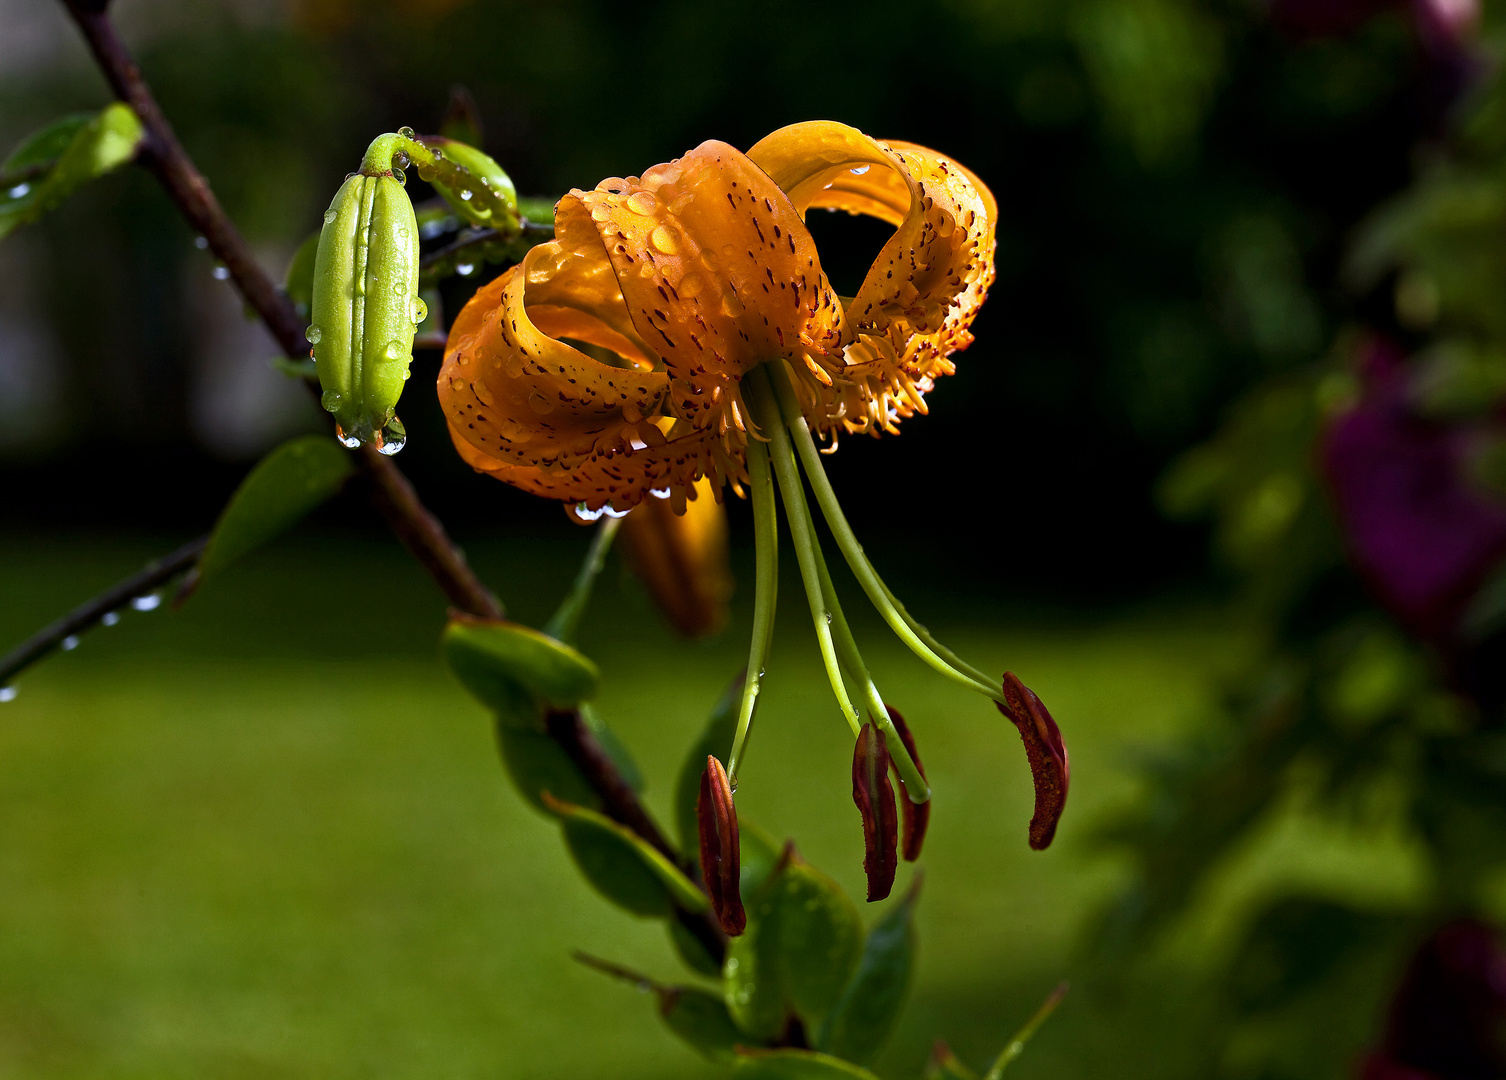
(350,442)
(465,269)
(220,273)
(149,602)
(420,310)
(19,191)
(394,437)
(69,643)
(329,216)
(466,195)
(331,400)
(659,493)
(407,133)
(110,618)
(313,334)
(8,693)
(828,618)
(201,242)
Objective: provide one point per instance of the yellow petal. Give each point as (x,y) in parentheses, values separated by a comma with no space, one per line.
(924,289)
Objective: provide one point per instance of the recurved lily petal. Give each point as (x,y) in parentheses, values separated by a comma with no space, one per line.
(718,273)
(922,293)
(874,797)
(717,818)
(1047,755)
(914,816)
(682,559)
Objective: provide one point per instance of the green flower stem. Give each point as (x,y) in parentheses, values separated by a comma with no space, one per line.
(847,652)
(765,409)
(565,621)
(765,595)
(483,202)
(1016,1045)
(847,541)
(925,635)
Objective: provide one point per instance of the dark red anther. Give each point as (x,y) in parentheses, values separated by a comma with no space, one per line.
(875,800)
(1047,754)
(717,817)
(914,816)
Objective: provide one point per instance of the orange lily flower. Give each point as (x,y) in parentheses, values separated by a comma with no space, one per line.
(729,354)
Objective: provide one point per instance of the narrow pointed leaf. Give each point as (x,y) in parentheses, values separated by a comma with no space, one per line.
(622,867)
(914,817)
(536,764)
(492,657)
(701,1019)
(871,1002)
(719,847)
(874,796)
(796,1065)
(1016,1045)
(279,492)
(1046,753)
(945,1065)
(56,161)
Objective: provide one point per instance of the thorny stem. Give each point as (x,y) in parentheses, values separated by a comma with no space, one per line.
(760,398)
(765,595)
(847,541)
(88,614)
(161,152)
(566,619)
(418,529)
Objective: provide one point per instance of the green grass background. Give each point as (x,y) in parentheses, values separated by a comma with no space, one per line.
(268,836)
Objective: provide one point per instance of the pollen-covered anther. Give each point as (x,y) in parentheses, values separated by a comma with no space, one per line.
(874,796)
(1047,754)
(716,817)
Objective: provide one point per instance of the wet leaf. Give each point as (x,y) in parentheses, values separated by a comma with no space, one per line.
(702,1020)
(796,1065)
(874,796)
(871,1001)
(752,978)
(1046,753)
(492,657)
(55,162)
(820,939)
(276,494)
(692,950)
(622,867)
(535,763)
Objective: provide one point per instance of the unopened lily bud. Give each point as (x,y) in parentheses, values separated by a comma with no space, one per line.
(874,797)
(682,559)
(458,190)
(717,818)
(914,816)
(1047,755)
(366,307)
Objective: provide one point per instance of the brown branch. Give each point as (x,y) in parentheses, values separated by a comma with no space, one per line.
(90,613)
(161,152)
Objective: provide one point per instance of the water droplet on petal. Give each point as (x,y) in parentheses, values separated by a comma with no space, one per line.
(641,202)
(664,240)
(8,693)
(732,307)
(313,334)
(859,170)
(540,404)
(150,602)
(69,643)
(690,286)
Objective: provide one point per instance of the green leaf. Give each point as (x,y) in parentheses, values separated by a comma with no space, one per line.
(820,940)
(693,951)
(535,763)
(803,942)
(702,1020)
(298,282)
(716,739)
(758,854)
(623,867)
(871,1002)
(796,1065)
(301,368)
(56,161)
(284,486)
(613,747)
(492,657)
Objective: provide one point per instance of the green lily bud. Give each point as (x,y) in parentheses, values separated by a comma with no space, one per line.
(365,303)
(459,190)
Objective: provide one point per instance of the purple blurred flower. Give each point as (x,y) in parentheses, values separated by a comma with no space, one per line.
(1418,530)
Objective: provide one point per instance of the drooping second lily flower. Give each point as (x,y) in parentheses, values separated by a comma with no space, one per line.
(727,355)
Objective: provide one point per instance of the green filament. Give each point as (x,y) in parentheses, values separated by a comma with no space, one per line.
(765,595)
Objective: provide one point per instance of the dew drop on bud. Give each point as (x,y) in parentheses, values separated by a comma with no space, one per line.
(329,216)
(466,195)
(420,310)
(313,334)
(331,399)
(395,350)
(399,287)
(350,442)
(394,437)
(8,693)
(407,133)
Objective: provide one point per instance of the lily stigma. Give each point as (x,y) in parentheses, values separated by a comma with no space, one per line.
(680,328)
